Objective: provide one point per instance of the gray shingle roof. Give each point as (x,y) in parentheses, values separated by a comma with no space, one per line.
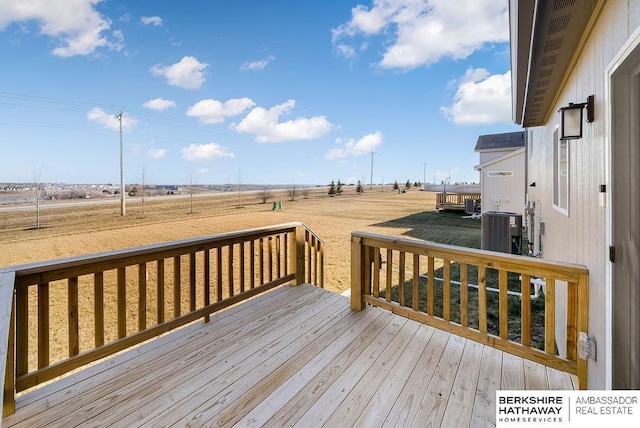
(508,140)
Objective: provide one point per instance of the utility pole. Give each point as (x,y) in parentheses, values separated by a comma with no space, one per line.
(424,174)
(122,203)
(371,183)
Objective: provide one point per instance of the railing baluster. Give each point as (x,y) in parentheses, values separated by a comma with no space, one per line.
(286,254)
(307,241)
(219,274)
(261,265)
(368,255)
(482,298)
(192,281)
(464,295)
(252,263)
(22,331)
(503,304)
(431,283)
(321,284)
(177,297)
(550,316)
(401,275)
(230,270)
(316,259)
(241,256)
(122,303)
(207,281)
(376,272)
(415,298)
(43,325)
(525,311)
(270,247)
(446,290)
(74,341)
(160,291)
(142,296)
(583,325)
(387,292)
(572,321)
(98,308)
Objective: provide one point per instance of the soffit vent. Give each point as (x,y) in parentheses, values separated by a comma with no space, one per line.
(559,24)
(552,45)
(561,4)
(548,60)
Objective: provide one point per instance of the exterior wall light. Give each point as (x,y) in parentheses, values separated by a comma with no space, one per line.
(571,119)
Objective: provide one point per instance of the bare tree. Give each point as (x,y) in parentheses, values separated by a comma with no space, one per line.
(305,192)
(38,193)
(239,186)
(191,189)
(264,195)
(292,192)
(144,178)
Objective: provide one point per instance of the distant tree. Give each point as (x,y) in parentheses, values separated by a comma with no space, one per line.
(239,187)
(395,185)
(144,178)
(305,192)
(408,184)
(292,192)
(191,189)
(332,189)
(359,188)
(339,188)
(38,193)
(264,195)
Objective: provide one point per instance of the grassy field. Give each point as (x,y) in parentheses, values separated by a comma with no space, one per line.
(91,229)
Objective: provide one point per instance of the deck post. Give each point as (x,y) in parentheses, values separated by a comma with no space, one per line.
(583,325)
(8,394)
(297,255)
(356,273)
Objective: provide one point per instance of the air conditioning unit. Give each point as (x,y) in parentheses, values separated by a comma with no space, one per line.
(502,231)
(471,206)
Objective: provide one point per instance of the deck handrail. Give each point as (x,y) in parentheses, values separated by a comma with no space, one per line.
(225,268)
(367,287)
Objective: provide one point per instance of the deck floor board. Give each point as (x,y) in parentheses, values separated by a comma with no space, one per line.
(295,356)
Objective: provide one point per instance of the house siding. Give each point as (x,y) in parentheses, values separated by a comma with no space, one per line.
(507,191)
(581,236)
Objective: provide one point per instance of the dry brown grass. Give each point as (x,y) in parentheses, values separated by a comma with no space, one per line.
(90,229)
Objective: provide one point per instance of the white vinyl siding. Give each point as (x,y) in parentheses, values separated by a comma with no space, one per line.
(560,174)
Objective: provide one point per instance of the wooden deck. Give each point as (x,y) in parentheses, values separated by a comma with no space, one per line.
(294,356)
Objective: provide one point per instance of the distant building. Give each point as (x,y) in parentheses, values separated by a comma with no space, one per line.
(502,171)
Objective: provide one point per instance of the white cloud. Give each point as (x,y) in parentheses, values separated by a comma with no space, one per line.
(265,126)
(156,153)
(481,98)
(159,104)
(110,121)
(202,171)
(75,24)
(351,147)
(203,152)
(346,51)
(211,111)
(425,31)
(156,21)
(257,65)
(188,73)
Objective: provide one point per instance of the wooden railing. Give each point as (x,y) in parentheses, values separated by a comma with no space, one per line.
(455,200)
(431,282)
(61,315)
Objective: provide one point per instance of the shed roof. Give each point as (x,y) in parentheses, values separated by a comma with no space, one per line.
(508,140)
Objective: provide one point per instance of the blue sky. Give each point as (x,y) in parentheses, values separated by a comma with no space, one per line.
(268,92)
